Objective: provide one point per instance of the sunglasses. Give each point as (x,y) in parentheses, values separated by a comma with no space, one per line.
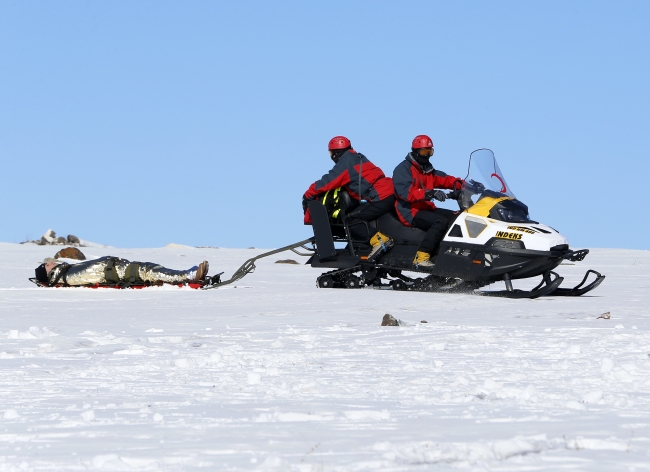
(425,152)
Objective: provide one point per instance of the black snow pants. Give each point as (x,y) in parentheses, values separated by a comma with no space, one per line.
(435,223)
(366,212)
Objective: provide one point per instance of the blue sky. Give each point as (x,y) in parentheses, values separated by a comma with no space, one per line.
(138,124)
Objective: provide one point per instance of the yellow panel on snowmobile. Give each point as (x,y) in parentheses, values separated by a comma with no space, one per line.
(484,205)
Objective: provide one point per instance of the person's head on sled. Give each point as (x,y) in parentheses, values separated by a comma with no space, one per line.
(370,191)
(116,272)
(417,184)
(43,271)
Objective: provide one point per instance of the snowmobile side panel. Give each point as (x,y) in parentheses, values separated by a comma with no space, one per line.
(468,264)
(343,260)
(536,236)
(400,255)
(322,231)
(508,268)
(474,262)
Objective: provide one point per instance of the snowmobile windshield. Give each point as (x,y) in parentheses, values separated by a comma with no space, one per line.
(485,180)
(484,177)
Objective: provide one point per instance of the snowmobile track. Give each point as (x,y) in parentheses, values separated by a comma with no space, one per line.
(549,286)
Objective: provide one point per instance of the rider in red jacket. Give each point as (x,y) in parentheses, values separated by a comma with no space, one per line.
(415,182)
(365,183)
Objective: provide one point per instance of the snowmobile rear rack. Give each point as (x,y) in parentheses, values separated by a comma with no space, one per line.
(249,266)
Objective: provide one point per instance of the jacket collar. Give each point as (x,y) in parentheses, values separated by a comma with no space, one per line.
(425,170)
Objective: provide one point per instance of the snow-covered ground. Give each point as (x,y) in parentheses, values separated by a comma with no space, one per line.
(275,374)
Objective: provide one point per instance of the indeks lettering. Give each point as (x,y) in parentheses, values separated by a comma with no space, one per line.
(506,235)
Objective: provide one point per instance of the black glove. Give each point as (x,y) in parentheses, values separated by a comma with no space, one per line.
(477,187)
(437,194)
(453,195)
(304,204)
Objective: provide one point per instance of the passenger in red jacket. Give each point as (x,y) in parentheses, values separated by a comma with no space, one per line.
(365,183)
(415,182)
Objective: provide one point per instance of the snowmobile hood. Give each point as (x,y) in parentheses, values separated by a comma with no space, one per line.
(485,205)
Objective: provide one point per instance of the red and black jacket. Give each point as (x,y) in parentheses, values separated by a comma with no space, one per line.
(411,181)
(375,186)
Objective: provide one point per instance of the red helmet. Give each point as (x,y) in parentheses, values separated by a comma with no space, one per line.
(422,141)
(338,142)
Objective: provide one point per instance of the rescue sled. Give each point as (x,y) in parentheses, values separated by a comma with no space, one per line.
(215,279)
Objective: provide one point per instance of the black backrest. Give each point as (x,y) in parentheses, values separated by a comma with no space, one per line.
(322,232)
(346,202)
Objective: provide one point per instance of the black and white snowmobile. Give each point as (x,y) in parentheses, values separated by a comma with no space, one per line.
(492,239)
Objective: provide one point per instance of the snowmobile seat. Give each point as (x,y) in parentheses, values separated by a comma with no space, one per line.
(403,235)
(330,224)
(388,224)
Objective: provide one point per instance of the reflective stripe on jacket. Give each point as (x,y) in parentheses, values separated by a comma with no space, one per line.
(411,181)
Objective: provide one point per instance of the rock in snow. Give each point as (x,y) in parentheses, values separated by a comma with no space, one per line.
(284,376)
(50,238)
(389,320)
(70,253)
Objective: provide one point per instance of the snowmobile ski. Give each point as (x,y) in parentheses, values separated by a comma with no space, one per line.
(550,282)
(579,290)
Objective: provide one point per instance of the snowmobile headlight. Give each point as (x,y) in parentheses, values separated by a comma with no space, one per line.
(513,216)
(474,226)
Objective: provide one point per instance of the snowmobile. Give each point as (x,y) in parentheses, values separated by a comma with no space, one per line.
(492,239)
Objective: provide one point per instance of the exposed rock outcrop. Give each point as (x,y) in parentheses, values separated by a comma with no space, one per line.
(50,239)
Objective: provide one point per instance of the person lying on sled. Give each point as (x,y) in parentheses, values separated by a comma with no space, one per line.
(114,271)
